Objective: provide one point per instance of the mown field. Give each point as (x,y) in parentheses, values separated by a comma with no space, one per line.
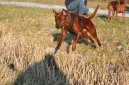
(28,36)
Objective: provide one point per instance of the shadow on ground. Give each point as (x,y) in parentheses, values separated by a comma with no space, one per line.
(69,38)
(45,72)
(103,17)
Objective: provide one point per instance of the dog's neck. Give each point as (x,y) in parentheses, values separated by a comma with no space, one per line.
(68,18)
(69,21)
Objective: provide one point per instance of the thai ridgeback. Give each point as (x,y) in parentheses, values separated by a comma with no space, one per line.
(76,25)
(118,7)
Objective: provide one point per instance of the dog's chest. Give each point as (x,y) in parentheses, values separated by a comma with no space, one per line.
(70,30)
(121,8)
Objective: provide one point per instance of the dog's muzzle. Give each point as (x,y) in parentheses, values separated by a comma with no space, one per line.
(58,26)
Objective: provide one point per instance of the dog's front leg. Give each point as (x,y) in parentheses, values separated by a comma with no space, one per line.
(63,33)
(109,15)
(117,16)
(75,41)
(123,17)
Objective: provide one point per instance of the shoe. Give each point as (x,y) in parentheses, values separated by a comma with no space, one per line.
(83,14)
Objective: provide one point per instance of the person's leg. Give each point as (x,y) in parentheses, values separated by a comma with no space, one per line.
(73,6)
(82,9)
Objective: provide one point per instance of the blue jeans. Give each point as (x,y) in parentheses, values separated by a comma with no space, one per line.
(77,6)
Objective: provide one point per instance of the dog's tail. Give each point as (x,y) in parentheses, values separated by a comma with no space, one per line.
(94,13)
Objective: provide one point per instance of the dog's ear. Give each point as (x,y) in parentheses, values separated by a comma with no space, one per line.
(54,12)
(64,12)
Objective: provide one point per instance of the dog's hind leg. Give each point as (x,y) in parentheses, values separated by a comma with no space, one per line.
(93,33)
(97,39)
(113,13)
(117,16)
(109,15)
(84,34)
(123,17)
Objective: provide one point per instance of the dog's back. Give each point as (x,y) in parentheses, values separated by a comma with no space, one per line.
(115,5)
(112,5)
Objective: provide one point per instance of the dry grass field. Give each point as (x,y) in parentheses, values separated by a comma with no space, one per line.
(28,35)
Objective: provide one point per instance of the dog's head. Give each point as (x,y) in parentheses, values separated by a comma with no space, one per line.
(60,18)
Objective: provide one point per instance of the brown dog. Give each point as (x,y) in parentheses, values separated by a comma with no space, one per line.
(118,7)
(81,27)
